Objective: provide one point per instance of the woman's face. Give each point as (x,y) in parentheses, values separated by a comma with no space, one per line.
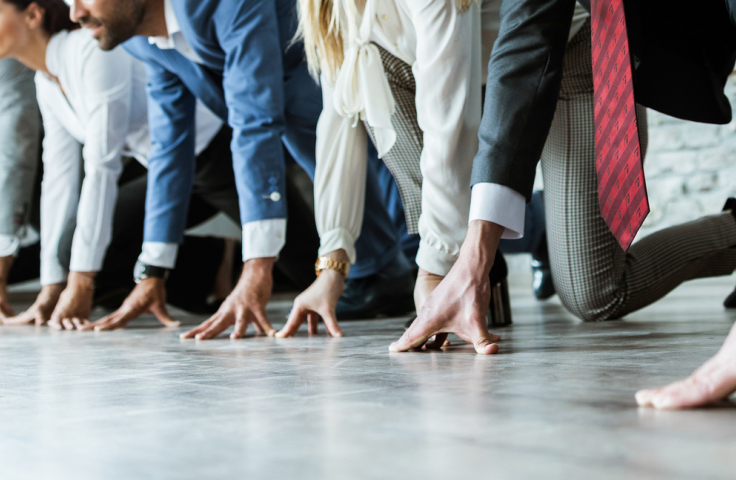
(13,29)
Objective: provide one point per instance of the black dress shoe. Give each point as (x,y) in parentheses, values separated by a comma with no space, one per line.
(375,295)
(730,301)
(542,284)
(499,311)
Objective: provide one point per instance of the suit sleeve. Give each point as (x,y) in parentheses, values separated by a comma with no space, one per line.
(254,92)
(524,76)
(171,164)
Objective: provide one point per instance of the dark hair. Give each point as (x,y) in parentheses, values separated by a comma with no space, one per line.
(56,14)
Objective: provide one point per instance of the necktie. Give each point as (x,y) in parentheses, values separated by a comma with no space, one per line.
(622,194)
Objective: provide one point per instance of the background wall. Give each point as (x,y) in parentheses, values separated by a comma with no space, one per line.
(690,168)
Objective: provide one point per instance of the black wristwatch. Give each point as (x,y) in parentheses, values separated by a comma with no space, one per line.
(143,271)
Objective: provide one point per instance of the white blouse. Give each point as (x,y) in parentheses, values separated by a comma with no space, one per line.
(443,46)
(93,116)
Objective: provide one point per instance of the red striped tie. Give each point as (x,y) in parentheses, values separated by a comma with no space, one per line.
(622,194)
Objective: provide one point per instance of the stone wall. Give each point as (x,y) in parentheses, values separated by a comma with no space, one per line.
(690,168)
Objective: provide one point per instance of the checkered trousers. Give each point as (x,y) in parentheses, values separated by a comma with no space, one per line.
(403,158)
(594,277)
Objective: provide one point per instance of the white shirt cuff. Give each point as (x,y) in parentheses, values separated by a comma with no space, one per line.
(501,205)
(263,238)
(159,254)
(336,239)
(52,272)
(9,245)
(434,260)
(86,259)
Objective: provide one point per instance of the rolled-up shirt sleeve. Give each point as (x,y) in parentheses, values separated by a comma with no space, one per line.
(9,245)
(340,178)
(108,84)
(448,98)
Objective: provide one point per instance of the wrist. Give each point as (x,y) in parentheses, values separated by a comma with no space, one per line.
(152,282)
(264,264)
(479,248)
(82,280)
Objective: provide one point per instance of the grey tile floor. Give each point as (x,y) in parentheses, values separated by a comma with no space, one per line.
(557,402)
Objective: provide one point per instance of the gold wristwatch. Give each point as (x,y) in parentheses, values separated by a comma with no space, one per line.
(332,264)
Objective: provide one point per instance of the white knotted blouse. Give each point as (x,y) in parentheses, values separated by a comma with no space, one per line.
(443,46)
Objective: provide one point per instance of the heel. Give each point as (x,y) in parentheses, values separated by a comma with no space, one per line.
(499,313)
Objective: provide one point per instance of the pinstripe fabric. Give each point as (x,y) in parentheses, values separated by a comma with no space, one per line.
(595,279)
(403,158)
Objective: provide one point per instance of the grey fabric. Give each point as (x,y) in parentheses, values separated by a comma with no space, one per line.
(594,277)
(20,137)
(521,93)
(403,160)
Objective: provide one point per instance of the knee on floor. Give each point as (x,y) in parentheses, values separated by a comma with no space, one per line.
(591,307)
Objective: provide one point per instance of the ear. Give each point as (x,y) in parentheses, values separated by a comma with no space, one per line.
(34,14)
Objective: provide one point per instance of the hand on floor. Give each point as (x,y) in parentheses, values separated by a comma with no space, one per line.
(715,380)
(75,303)
(460,303)
(149,296)
(246,304)
(41,310)
(425,285)
(319,300)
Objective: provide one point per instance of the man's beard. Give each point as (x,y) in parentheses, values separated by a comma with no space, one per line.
(120,26)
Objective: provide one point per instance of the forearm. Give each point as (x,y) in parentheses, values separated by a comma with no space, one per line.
(340,178)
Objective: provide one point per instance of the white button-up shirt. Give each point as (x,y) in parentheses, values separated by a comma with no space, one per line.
(93,116)
(261,238)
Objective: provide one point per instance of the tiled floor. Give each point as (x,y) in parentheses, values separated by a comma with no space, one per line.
(557,402)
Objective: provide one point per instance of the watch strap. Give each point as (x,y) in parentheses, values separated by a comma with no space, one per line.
(327,263)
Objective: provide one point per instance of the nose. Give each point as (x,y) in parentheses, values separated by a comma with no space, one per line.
(75,11)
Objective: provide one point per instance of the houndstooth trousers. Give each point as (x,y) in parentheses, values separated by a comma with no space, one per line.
(595,279)
(403,160)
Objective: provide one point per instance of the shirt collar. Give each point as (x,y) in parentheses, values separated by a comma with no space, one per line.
(172,27)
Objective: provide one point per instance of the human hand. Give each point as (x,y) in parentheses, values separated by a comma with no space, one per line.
(41,310)
(5,309)
(713,381)
(460,303)
(423,288)
(245,304)
(319,300)
(75,303)
(149,296)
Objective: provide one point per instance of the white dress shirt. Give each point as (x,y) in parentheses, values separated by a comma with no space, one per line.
(99,103)
(500,204)
(443,46)
(261,238)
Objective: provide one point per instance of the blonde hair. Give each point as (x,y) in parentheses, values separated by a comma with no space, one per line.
(322,33)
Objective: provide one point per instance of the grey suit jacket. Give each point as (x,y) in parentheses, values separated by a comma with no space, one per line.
(20,138)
